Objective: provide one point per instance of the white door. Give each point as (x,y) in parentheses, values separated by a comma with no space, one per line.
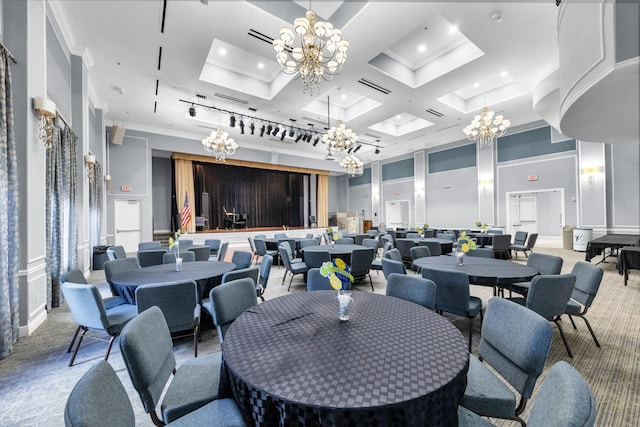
(127,221)
(397,213)
(528,216)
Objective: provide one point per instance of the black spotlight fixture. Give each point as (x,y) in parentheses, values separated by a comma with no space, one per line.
(299,136)
(284,133)
(269,128)
(377,150)
(357,148)
(252,127)
(241,125)
(276,130)
(291,132)
(192,111)
(316,140)
(232,121)
(262,128)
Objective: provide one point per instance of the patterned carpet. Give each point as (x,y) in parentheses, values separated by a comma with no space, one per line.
(35,380)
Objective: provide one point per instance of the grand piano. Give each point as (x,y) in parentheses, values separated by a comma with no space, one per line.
(233,220)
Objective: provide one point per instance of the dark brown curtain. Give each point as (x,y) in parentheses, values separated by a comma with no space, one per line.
(269,198)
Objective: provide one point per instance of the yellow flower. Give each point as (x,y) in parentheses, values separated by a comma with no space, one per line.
(465,247)
(340,263)
(172,243)
(463,234)
(336,283)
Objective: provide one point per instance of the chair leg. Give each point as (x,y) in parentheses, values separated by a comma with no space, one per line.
(371,281)
(572,322)
(73,356)
(284,277)
(564,339)
(290,281)
(470,333)
(113,338)
(74,339)
(593,335)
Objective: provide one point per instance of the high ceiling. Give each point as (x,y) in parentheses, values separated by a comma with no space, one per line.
(416,73)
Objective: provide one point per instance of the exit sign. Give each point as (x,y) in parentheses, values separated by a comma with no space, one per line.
(533,177)
(125,188)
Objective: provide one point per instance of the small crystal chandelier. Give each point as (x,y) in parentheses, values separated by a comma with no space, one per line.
(320,54)
(339,137)
(352,165)
(484,128)
(219,144)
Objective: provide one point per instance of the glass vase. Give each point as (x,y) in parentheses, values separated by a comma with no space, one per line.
(178,264)
(460,258)
(344,302)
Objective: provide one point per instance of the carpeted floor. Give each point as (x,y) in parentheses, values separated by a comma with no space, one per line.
(35,380)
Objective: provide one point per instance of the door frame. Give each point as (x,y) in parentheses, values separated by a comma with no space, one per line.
(509,227)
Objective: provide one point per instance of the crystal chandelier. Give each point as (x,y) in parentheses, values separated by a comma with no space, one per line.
(352,165)
(484,128)
(339,137)
(320,54)
(219,144)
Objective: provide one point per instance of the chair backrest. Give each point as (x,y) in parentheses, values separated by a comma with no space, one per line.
(229,300)
(252,244)
(549,294)
(185,243)
(546,264)
(412,288)
(222,252)
(116,266)
(142,246)
(564,399)
(420,252)
(280,235)
(429,233)
(170,257)
(265,271)
(260,236)
(371,243)
(214,244)
(309,236)
(315,259)
(99,398)
(453,290)
(446,236)
(150,257)
(386,238)
(317,282)
(261,246)
(345,241)
(390,266)
(147,350)
(501,242)
(289,247)
(532,240)
(481,252)
(285,257)
(393,254)
(520,237)
(248,272)
(434,247)
(404,246)
(201,253)
(178,302)
(413,235)
(118,251)
(515,341)
(242,259)
(494,231)
(386,248)
(74,275)
(308,242)
(86,306)
(588,278)
(361,261)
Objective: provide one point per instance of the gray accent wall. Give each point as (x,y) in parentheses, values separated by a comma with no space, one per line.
(161,193)
(452,198)
(625,186)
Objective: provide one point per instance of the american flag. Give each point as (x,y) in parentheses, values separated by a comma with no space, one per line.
(186,213)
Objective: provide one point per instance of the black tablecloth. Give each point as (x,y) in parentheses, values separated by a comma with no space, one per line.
(628,259)
(483,271)
(291,361)
(612,241)
(200,271)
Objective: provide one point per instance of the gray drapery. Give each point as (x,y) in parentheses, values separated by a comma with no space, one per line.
(9,243)
(95,207)
(62,215)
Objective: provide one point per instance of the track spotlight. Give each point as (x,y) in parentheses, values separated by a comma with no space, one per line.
(269,129)
(316,140)
(252,127)
(284,133)
(192,111)
(299,137)
(349,150)
(291,132)
(357,148)
(262,130)
(377,150)
(241,125)
(276,130)
(232,121)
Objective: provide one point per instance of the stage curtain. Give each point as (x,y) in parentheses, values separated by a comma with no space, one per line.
(269,198)
(322,216)
(184,185)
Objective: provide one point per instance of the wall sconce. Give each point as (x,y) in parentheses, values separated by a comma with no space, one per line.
(375,194)
(590,174)
(484,183)
(107,182)
(46,110)
(419,191)
(90,162)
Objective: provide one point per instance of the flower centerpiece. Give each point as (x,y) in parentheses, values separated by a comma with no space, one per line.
(174,243)
(340,278)
(334,237)
(482,226)
(465,244)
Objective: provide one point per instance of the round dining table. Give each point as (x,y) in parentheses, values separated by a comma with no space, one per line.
(199,271)
(336,251)
(393,362)
(482,271)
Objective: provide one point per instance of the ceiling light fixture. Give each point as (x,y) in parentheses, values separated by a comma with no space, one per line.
(485,127)
(220,145)
(338,137)
(352,165)
(320,53)
(192,111)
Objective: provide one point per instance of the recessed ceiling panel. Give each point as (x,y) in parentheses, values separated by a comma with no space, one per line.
(401,124)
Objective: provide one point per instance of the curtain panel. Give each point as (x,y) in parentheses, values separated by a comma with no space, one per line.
(322,216)
(95,207)
(183,181)
(62,215)
(9,219)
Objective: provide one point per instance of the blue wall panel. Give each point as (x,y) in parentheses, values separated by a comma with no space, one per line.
(397,170)
(454,158)
(363,179)
(531,143)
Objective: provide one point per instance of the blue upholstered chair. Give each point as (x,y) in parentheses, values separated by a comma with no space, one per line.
(89,312)
(242,259)
(345,241)
(412,288)
(390,266)
(361,264)
(222,252)
(263,277)
(404,247)
(308,242)
(545,264)
(481,252)
(202,253)
(393,254)
(419,252)
(588,278)
(435,248)
(501,246)
(519,238)
(214,245)
(252,246)
(117,251)
(289,246)
(525,248)
(179,304)
(185,243)
(564,399)
(229,300)
(149,257)
(143,246)
(116,266)
(372,243)
(261,248)
(293,268)
(314,259)
(76,276)
(413,235)
(453,295)
(515,342)
(317,282)
(147,351)
(170,257)
(376,264)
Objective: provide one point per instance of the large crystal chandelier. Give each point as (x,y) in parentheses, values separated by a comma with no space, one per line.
(352,165)
(339,137)
(485,127)
(320,54)
(219,144)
